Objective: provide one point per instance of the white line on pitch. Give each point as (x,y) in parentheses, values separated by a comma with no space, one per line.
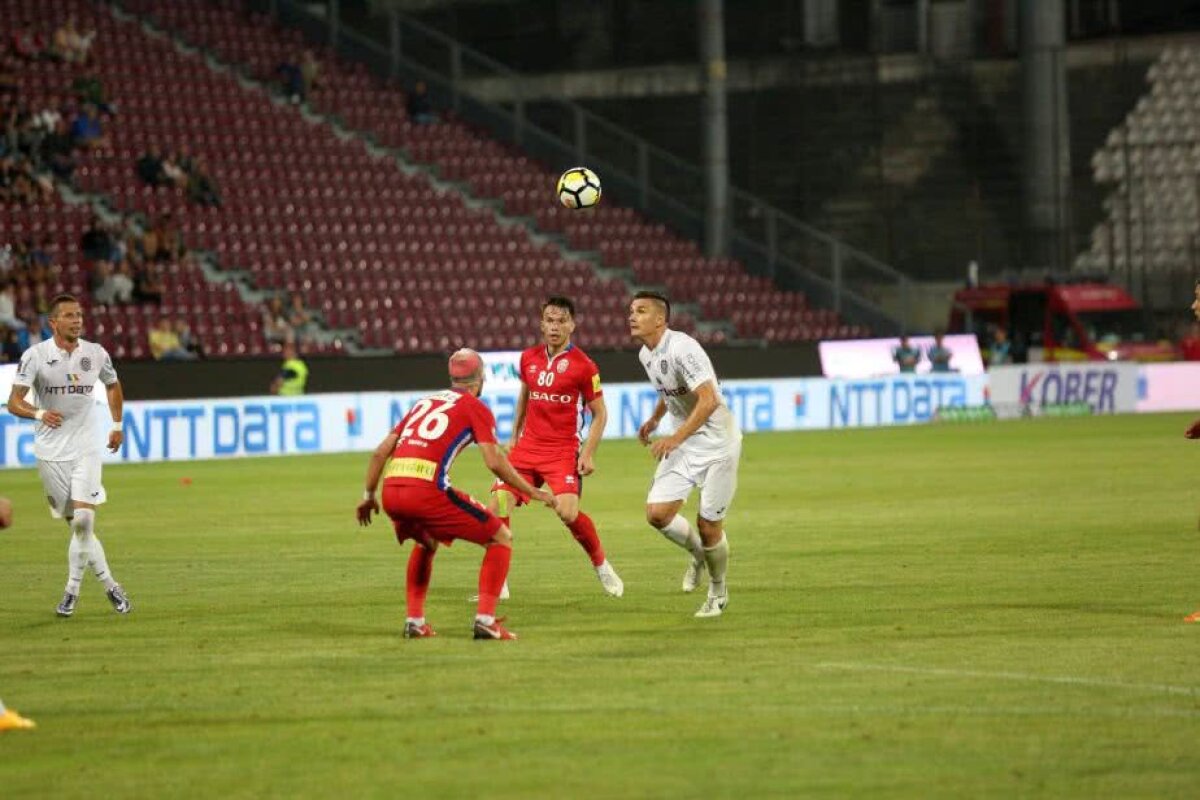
(1014,676)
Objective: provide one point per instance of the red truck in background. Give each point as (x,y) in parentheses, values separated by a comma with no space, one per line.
(1060,322)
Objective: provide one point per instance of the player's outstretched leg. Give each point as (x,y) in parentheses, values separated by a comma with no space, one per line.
(492,573)
(665,518)
(416,588)
(12,721)
(716,558)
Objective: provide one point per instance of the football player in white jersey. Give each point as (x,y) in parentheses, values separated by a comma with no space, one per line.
(702,451)
(62,372)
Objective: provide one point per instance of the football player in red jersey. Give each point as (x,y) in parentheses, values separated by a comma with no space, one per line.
(558,382)
(424,507)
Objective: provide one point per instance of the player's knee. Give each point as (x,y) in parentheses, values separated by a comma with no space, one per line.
(503,536)
(710,531)
(658,516)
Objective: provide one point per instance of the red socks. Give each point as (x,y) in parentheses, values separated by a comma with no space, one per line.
(492,575)
(584,531)
(420,570)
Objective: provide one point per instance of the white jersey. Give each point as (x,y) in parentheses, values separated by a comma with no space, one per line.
(66,383)
(676,367)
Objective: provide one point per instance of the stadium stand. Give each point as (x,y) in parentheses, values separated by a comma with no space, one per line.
(1149,160)
(406,263)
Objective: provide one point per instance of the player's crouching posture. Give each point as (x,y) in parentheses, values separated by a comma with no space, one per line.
(424,507)
(703,451)
(62,371)
(558,382)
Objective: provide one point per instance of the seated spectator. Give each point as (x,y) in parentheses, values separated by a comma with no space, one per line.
(27,43)
(148,284)
(310,73)
(8,307)
(31,334)
(174,173)
(89,89)
(150,168)
(162,242)
(71,45)
(298,317)
(275,325)
(186,340)
(201,187)
(86,129)
(111,284)
(420,111)
(165,344)
(58,152)
(10,346)
(96,244)
(291,80)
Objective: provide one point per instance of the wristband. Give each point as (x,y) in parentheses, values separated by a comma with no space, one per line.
(119,426)
(41,412)
(368,494)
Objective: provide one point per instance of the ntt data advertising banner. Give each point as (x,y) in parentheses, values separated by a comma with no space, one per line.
(1109,388)
(332,423)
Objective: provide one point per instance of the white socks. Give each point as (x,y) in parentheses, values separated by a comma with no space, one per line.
(717,559)
(679,532)
(79,552)
(85,550)
(485,619)
(418,621)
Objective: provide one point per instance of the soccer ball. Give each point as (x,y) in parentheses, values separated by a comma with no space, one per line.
(579,187)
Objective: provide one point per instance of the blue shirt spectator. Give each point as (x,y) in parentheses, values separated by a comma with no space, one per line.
(906,356)
(939,355)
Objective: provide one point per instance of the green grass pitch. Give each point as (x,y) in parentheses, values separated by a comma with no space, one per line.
(959,611)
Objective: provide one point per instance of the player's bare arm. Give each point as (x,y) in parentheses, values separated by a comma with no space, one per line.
(649,426)
(116,404)
(19,408)
(497,463)
(519,416)
(379,458)
(706,404)
(587,456)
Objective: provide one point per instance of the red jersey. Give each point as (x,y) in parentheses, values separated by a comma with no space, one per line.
(432,434)
(559,389)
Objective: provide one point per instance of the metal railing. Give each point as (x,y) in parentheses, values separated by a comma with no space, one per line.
(637,174)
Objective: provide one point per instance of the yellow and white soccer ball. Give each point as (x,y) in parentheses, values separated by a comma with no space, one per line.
(579,187)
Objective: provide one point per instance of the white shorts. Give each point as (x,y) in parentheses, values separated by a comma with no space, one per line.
(682,471)
(65,481)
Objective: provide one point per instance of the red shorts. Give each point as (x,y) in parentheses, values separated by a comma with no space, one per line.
(419,507)
(558,471)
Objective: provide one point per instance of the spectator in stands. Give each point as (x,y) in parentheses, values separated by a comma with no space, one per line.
(293,375)
(291,80)
(186,340)
(173,170)
(165,344)
(201,188)
(87,130)
(89,89)
(10,346)
(1000,352)
(8,307)
(310,73)
(96,243)
(58,152)
(27,43)
(70,44)
(298,318)
(1190,344)
(162,242)
(275,325)
(150,168)
(939,355)
(148,284)
(420,110)
(906,356)
(46,121)
(32,333)
(111,283)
